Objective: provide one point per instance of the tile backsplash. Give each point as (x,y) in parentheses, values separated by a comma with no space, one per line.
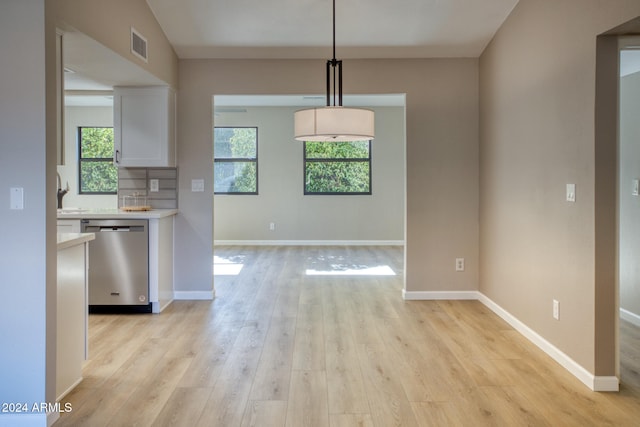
(137,180)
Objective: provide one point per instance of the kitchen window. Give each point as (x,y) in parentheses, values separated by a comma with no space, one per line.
(337,168)
(96,172)
(235,160)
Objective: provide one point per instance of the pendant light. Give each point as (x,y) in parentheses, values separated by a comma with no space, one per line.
(334,122)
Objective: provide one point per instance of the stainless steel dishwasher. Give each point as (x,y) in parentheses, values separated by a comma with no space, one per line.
(118,264)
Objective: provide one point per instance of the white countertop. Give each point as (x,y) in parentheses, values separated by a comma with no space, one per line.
(71,213)
(67,240)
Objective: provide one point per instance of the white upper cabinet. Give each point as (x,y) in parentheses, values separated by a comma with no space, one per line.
(144,126)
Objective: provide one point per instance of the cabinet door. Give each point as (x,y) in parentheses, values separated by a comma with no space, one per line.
(68,226)
(144,126)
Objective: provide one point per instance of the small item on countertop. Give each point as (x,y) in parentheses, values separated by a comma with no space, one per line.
(135,202)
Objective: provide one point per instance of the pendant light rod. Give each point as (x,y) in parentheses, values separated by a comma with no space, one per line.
(332,64)
(334,30)
(334,122)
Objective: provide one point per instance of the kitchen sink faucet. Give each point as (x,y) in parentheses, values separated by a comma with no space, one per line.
(61,192)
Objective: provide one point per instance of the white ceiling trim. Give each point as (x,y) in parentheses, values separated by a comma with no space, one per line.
(371,100)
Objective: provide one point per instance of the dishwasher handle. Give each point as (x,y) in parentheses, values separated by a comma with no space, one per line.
(113,228)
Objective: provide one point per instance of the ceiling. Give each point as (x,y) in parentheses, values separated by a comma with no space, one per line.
(291,29)
(92,70)
(303,28)
(295,29)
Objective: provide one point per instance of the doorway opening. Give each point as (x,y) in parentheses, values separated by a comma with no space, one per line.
(629,212)
(276,211)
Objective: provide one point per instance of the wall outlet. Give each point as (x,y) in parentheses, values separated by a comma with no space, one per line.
(459,264)
(556,309)
(635,187)
(154,185)
(272,226)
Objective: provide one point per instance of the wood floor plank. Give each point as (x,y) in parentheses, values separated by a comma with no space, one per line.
(412,369)
(100,368)
(308,400)
(94,406)
(387,399)
(212,354)
(272,377)
(151,395)
(473,319)
(183,408)
(629,354)
(228,399)
(141,365)
(287,300)
(263,413)
(437,414)
(513,408)
(346,389)
(309,347)
(280,347)
(351,420)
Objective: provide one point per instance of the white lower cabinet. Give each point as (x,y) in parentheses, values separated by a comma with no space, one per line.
(72,318)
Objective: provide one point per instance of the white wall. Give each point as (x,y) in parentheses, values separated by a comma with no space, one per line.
(629,204)
(376,217)
(539,130)
(74,118)
(442,155)
(27,252)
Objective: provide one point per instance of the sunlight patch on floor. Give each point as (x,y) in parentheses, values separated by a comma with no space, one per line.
(342,270)
(226,266)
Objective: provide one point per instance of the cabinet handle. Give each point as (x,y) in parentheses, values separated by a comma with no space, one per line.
(117,154)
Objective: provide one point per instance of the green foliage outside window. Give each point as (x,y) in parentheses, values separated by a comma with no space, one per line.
(98,174)
(337,167)
(235,166)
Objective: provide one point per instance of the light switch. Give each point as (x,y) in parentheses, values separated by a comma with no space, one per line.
(197,185)
(16,198)
(153,185)
(571,192)
(635,187)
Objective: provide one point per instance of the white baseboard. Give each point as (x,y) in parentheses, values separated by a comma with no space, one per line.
(630,317)
(308,243)
(68,390)
(606,384)
(159,306)
(595,383)
(439,295)
(193,295)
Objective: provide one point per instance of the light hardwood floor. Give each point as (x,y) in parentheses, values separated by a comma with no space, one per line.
(630,354)
(278,347)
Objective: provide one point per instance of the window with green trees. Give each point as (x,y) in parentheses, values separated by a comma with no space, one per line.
(96,171)
(337,167)
(235,160)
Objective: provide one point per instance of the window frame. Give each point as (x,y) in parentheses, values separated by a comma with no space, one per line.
(305,160)
(237,160)
(82,160)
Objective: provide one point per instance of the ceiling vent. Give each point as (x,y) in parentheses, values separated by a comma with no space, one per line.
(139,45)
